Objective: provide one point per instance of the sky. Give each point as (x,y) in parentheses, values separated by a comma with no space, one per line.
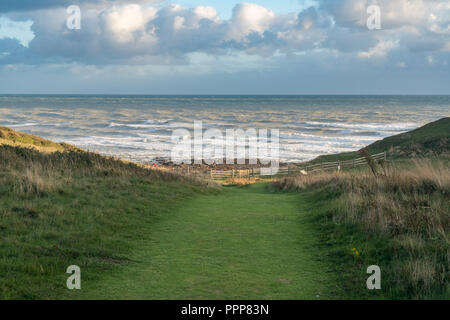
(225,47)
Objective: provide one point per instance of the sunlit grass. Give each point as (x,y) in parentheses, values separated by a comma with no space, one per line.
(64,208)
(404,208)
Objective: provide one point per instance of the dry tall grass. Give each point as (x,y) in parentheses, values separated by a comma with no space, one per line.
(241,181)
(29,172)
(409,205)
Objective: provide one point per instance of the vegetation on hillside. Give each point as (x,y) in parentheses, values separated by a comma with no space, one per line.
(396,217)
(428,140)
(75,208)
(61,206)
(13,138)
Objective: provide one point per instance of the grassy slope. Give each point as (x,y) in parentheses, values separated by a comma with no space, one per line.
(431,138)
(125,228)
(398,220)
(412,250)
(134,236)
(59,209)
(243,243)
(338,242)
(14,138)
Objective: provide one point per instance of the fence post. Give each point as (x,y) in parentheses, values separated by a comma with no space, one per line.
(211,172)
(385,157)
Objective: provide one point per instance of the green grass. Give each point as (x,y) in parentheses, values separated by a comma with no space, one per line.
(242,243)
(398,220)
(432,138)
(338,241)
(145,234)
(61,209)
(14,138)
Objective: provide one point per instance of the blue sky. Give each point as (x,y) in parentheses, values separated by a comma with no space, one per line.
(225,47)
(225,8)
(20,30)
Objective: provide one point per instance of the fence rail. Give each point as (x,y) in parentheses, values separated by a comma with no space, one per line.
(298,169)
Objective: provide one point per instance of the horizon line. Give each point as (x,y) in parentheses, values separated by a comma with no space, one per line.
(225,94)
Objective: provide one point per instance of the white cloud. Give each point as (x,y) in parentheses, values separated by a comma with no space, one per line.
(206,12)
(380,50)
(143,33)
(178,23)
(247,18)
(394,14)
(128,23)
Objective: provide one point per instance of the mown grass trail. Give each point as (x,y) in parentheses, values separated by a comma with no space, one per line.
(242,243)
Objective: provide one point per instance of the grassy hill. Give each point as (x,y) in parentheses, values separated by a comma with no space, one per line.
(398,220)
(60,206)
(395,217)
(18,139)
(432,138)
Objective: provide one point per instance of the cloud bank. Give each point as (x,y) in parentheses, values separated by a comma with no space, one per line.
(135,33)
(140,33)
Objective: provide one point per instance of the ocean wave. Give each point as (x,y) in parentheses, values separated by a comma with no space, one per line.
(141,127)
(295,137)
(152,125)
(399,126)
(26,124)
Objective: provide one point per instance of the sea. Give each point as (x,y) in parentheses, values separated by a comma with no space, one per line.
(140,127)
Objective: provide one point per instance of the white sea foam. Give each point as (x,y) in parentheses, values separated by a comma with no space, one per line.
(26,124)
(140,132)
(400,126)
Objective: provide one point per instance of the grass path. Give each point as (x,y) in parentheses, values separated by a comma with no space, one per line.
(243,243)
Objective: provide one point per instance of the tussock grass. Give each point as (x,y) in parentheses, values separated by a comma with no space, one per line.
(241,181)
(404,209)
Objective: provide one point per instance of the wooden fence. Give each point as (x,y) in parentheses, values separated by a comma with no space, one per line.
(339,165)
(293,170)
